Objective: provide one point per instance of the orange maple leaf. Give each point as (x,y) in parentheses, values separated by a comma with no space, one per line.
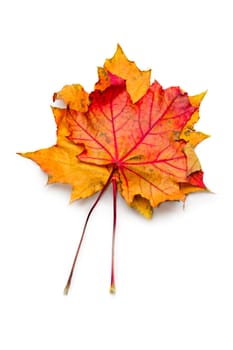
(128,132)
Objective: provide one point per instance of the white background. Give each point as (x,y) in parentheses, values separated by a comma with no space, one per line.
(173,273)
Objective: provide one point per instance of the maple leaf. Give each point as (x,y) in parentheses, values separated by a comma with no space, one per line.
(135,135)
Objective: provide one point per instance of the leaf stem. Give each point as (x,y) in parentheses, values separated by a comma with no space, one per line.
(67,287)
(114,187)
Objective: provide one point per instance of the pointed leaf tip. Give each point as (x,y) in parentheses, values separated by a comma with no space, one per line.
(137,81)
(197,99)
(142,205)
(74,96)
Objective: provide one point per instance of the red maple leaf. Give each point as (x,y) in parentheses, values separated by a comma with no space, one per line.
(136,136)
